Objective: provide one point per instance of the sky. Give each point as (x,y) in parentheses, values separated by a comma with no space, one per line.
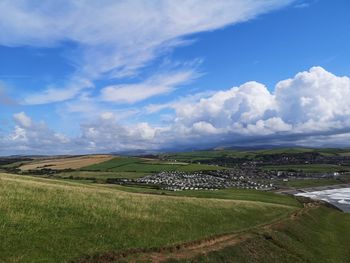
(166,75)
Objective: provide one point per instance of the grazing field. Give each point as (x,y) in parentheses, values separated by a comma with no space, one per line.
(320,235)
(133,164)
(45,220)
(302,183)
(66,162)
(100,176)
(309,168)
(198,156)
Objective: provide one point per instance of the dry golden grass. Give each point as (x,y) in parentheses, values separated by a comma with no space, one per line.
(66,162)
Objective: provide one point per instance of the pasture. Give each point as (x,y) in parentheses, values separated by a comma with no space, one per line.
(142,165)
(302,183)
(308,168)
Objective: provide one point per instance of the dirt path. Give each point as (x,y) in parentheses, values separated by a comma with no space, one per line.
(192,249)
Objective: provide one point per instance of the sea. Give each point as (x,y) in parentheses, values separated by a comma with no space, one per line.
(337,197)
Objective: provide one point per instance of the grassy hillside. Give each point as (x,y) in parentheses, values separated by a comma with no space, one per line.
(46,220)
(321,235)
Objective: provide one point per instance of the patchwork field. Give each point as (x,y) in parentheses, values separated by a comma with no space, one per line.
(66,162)
(45,220)
(134,164)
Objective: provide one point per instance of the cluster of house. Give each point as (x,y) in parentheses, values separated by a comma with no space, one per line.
(279,159)
(177,181)
(257,173)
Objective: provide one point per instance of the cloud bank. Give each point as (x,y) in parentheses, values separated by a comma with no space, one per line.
(310,109)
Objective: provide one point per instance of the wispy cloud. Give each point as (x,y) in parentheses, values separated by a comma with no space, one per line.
(156,85)
(115,39)
(56,94)
(305,3)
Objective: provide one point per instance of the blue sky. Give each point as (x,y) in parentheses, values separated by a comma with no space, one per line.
(159,75)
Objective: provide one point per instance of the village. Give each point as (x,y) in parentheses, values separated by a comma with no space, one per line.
(177,181)
(248,177)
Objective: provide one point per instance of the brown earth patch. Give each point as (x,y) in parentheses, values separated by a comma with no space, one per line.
(71,162)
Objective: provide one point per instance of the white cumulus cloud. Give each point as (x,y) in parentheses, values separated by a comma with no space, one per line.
(311,109)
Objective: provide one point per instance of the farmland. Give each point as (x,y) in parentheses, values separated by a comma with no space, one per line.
(133,164)
(314,182)
(309,168)
(54,221)
(65,162)
(260,169)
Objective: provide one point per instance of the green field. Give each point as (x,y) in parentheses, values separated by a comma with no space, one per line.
(197,156)
(100,176)
(231,194)
(133,164)
(302,183)
(45,220)
(308,168)
(321,235)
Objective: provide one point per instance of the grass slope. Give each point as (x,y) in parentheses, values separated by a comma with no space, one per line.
(46,220)
(322,235)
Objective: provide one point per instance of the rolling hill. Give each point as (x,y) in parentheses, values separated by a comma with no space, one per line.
(53,221)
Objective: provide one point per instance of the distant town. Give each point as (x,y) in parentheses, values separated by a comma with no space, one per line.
(243,170)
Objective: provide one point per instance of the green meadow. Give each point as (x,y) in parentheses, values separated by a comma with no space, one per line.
(46,220)
(302,183)
(308,168)
(140,165)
